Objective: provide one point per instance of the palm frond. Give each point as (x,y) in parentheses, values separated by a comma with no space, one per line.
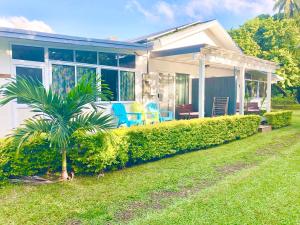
(29,129)
(60,135)
(93,122)
(32,93)
(86,92)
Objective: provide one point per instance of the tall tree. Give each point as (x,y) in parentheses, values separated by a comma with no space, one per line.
(59,116)
(289,7)
(273,39)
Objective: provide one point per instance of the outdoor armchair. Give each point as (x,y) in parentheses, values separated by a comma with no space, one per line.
(147,116)
(122,116)
(161,115)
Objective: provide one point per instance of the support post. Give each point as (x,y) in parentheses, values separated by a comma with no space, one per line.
(269,91)
(242,89)
(201,98)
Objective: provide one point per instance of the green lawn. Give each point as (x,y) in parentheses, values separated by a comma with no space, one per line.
(251,181)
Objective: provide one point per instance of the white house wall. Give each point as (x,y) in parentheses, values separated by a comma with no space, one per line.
(11,114)
(6,112)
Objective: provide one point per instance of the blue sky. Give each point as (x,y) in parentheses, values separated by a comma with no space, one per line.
(124,19)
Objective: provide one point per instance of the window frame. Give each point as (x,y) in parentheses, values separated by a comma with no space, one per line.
(29,65)
(48,58)
(92,51)
(27,45)
(119,69)
(47,66)
(258,87)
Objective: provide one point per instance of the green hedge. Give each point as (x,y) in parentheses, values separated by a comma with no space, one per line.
(284,101)
(279,119)
(287,107)
(122,147)
(154,142)
(33,158)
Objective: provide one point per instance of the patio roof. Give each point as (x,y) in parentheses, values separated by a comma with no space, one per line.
(217,55)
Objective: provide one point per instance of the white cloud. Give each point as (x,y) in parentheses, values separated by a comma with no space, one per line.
(166,10)
(135,5)
(21,22)
(159,11)
(200,8)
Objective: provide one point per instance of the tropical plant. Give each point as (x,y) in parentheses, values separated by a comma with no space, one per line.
(273,39)
(290,8)
(58,116)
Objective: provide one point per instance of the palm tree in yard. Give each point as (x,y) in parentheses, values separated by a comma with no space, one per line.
(289,7)
(58,115)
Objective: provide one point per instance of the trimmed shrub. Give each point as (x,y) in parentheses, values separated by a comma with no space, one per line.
(279,119)
(34,158)
(157,141)
(93,153)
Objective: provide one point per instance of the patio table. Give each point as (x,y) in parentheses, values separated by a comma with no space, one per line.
(189,115)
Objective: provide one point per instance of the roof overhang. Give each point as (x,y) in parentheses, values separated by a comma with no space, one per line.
(64,39)
(184,31)
(156,35)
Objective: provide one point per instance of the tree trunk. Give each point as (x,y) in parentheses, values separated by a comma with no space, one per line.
(64,171)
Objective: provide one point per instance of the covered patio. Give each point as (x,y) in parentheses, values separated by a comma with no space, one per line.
(209,62)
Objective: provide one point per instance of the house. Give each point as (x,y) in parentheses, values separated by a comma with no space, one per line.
(187,64)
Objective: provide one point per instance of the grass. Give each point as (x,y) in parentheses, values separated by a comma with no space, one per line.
(251,181)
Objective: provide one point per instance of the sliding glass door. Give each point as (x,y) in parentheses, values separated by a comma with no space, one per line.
(182,89)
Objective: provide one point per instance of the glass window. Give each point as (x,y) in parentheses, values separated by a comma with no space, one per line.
(108,59)
(29,53)
(127,61)
(85,71)
(127,86)
(251,89)
(86,57)
(262,89)
(61,54)
(110,77)
(63,78)
(26,72)
(182,89)
(256,75)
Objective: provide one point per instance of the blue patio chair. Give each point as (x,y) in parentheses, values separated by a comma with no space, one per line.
(164,115)
(122,116)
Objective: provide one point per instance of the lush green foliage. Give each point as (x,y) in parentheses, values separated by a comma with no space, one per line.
(285,102)
(93,153)
(273,39)
(278,100)
(286,107)
(279,119)
(250,181)
(58,116)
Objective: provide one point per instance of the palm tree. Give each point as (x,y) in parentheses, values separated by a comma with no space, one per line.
(289,7)
(57,115)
